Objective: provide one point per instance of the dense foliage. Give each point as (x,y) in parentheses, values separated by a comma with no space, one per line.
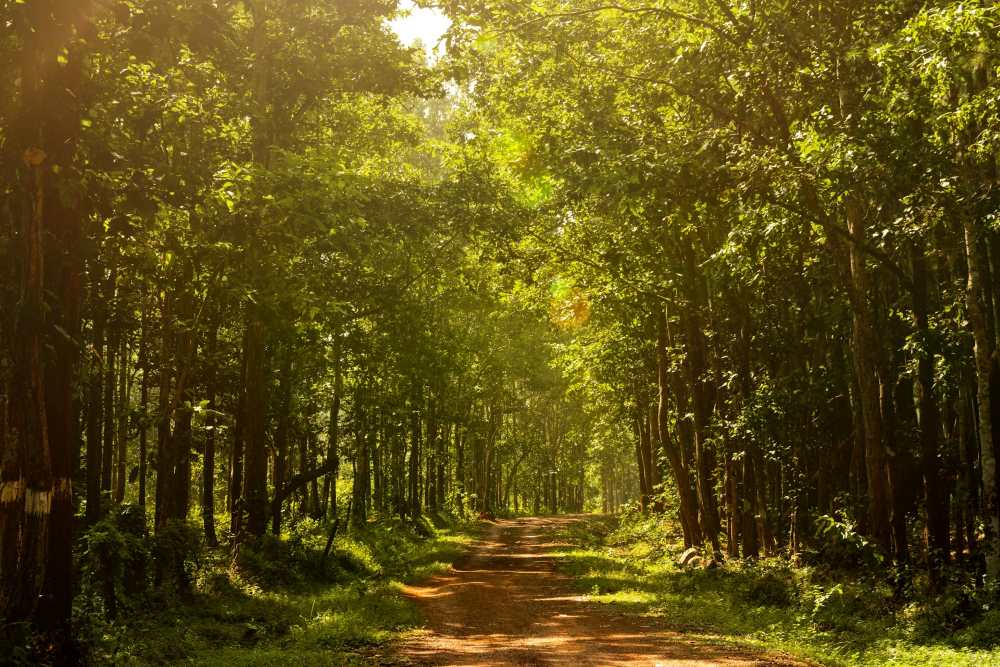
(788,211)
(738,263)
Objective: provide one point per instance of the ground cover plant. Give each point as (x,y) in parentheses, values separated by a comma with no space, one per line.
(281,603)
(833,616)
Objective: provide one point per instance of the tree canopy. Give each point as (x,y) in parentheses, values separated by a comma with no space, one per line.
(733,263)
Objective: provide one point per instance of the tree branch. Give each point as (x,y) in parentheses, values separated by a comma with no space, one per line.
(298,481)
(832,229)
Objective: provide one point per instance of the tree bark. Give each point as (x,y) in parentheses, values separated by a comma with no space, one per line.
(236,465)
(255,488)
(865,350)
(254,497)
(110,364)
(983,353)
(333,430)
(143,399)
(174,434)
(935,494)
(95,404)
(432,437)
(281,435)
(442,443)
(37,443)
(642,455)
(703,452)
(460,467)
(416,407)
(124,387)
(164,452)
(208,461)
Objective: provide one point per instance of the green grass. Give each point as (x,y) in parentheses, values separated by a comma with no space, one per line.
(281,608)
(842,621)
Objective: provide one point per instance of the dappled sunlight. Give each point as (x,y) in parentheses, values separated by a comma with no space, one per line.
(489,610)
(305,305)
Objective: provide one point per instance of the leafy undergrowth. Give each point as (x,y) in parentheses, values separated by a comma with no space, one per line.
(280,607)
(839,619)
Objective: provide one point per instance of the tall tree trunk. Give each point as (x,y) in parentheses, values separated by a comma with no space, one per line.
(143,398)
(181,443)
(173,471)
(398,472)
(255,403)
(164,450)
(983,357)
(281,434)
(866,363)
(655,455)
(642,455)
(110,358)
(670,445)
(460,467)
(361,458)
(333,429)
(432,436)
(371,450)
(750,530)
(310,454)
(416,408)
(95,405)
(898,410)
(236,465)
(123,414)
(442,444)
(733,518)
(703,451)
(208,462)
(968,478)
(749,489)
(935,494)
(37,441)
(255,486)
(377,435)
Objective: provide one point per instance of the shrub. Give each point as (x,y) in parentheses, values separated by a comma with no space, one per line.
(768,584)
(985,632)
(840,545)
(177,552)
(271,560)
(116,557)
(20,646)
(958,606)
(846,607)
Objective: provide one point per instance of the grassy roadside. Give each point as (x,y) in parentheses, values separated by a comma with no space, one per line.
(771,605)
(281,608)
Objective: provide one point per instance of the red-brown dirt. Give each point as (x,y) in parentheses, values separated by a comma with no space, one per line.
(506,604)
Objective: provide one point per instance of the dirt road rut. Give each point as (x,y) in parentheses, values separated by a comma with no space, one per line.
(506,604)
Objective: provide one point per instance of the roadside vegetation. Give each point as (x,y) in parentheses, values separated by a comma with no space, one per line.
(281,603)
(843,616)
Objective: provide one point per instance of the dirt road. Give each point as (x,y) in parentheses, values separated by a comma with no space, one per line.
(505,604)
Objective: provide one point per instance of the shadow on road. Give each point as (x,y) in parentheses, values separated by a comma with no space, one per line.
(506,604)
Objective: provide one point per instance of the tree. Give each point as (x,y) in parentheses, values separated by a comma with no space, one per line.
(44,216)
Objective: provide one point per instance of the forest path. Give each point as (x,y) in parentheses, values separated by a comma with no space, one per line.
(506,604)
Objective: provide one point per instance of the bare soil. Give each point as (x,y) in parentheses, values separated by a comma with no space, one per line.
(506,604)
